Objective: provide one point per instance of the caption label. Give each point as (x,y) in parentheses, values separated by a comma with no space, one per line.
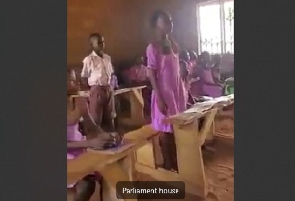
(150,190)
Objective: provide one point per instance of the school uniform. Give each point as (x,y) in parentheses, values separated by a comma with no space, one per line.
(172,89)
(137,73)
(99,72)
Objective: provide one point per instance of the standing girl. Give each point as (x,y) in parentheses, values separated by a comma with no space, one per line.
(168,95)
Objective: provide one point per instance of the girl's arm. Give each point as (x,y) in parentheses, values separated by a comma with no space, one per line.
(216,78)
(210,83)
(153,80)
(73,119)
(218,82)
(151,53)
(95,143)
(205,80)
(90,125)
(193,78)
(73,116)
(79,144)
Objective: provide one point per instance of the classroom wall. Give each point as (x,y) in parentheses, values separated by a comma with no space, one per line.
(125,25)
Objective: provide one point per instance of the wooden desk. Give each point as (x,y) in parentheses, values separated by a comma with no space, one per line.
(136,105)
(188,141)
(114,166)
(224,123)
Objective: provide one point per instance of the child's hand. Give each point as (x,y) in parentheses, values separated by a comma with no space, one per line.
(98,143)
(221,85)
(106,136)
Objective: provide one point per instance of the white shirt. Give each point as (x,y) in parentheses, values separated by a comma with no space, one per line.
(97,69)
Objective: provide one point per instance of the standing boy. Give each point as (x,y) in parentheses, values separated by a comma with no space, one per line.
(97,73)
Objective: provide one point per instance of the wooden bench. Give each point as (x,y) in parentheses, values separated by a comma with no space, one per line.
(188,141)
(114,165)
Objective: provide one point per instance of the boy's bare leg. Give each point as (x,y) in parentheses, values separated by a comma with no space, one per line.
(96,103)
(109,112)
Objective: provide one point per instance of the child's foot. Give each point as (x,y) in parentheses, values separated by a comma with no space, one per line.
(169,168)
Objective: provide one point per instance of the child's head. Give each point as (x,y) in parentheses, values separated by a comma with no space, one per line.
(193,55)
(138,60)
(96,41)
(162,22)
(205,58)
(183,69)
(184,55)
(72,86)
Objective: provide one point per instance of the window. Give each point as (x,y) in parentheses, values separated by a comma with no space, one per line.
(216,26)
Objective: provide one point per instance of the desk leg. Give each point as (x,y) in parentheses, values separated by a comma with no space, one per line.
(129,166)
(210,134)
(224,124)
(136,106)
(189,157)
(145,154)
(111,175)
(207,131)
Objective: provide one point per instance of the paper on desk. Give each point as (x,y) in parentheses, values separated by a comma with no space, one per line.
(203,106)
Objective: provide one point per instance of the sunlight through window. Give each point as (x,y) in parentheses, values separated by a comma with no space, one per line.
(216,27)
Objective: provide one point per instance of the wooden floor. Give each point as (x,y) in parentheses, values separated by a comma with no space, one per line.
(219,172)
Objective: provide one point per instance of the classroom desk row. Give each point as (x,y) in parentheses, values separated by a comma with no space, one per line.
(140,153)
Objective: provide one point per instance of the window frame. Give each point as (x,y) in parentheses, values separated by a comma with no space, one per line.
(222,23)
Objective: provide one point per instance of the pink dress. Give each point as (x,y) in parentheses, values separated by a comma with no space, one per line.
(207,89)
(170,85)
(137,73)
(191,65)
(73,135)
(195,87)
